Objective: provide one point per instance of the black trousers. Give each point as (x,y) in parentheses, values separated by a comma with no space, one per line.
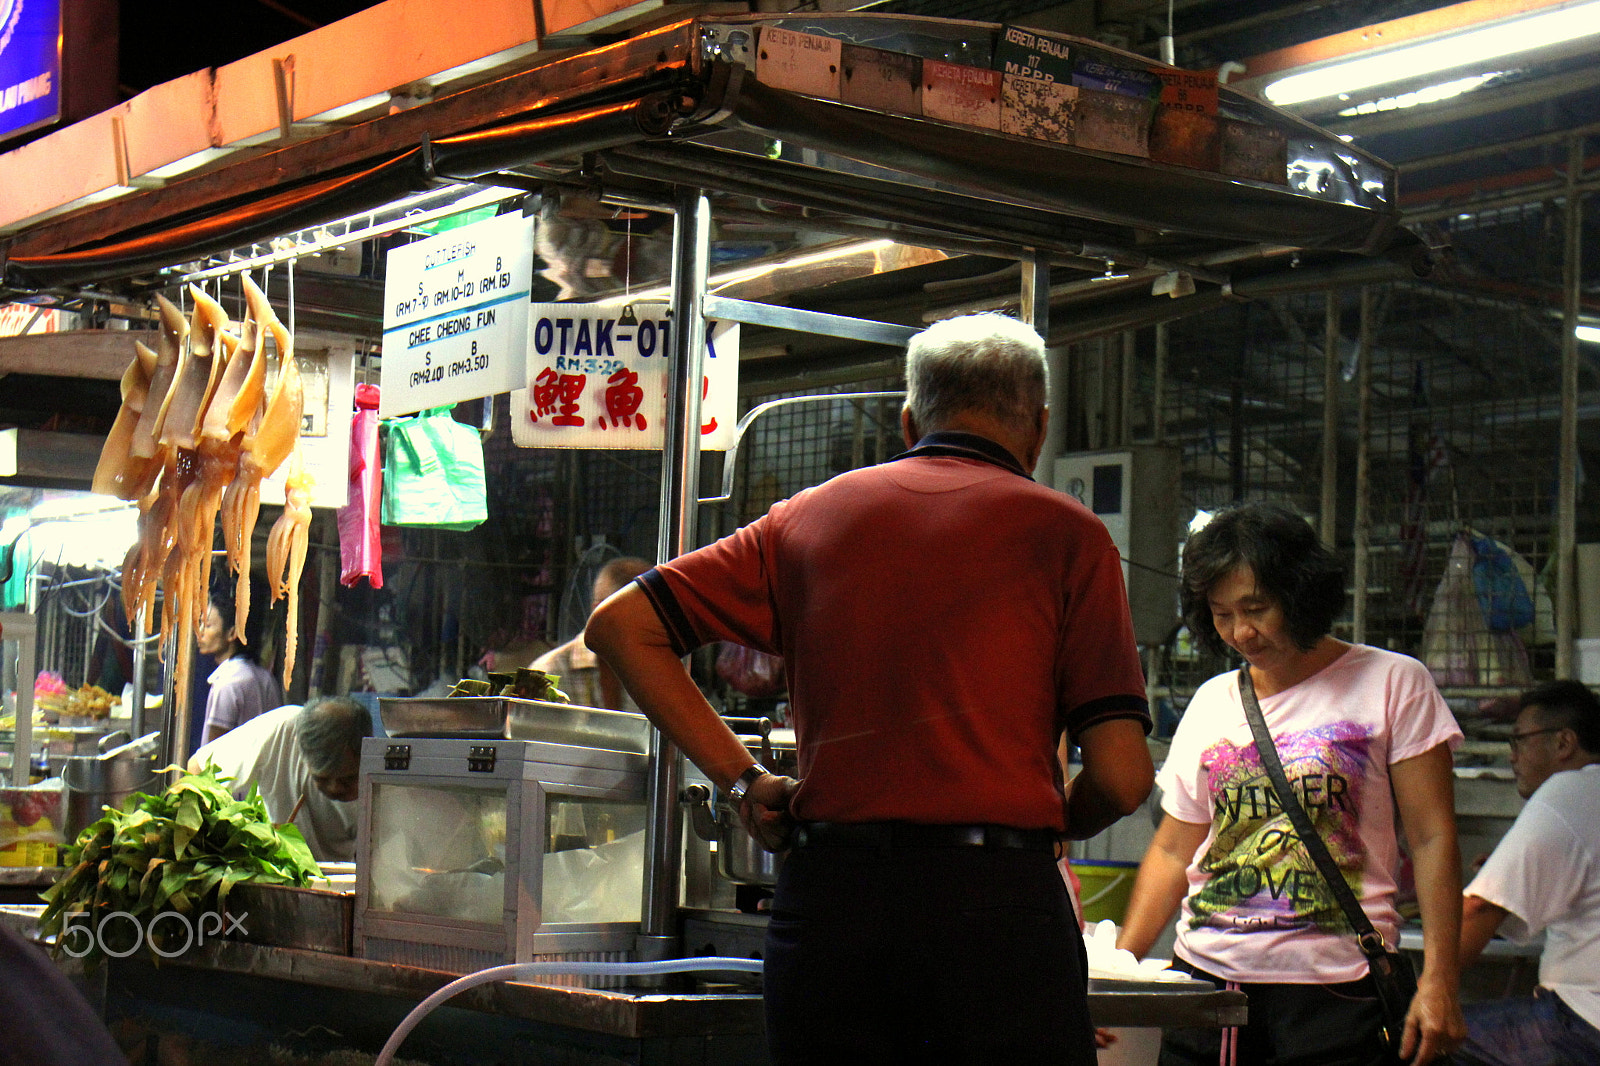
(1290,1025)
(925,955)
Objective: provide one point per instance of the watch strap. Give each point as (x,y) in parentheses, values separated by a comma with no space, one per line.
(742,783)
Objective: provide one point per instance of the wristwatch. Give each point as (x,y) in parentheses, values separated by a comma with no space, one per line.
(742,783)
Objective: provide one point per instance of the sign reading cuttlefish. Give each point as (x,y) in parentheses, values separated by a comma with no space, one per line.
(597,378)
(455,315)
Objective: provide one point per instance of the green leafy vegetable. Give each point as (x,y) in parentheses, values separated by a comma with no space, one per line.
(180,851)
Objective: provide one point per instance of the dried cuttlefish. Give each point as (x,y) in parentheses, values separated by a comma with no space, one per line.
(172,335)
(119,472)
(286,549)
(212,346)
(195,434)
(188,546)
(264,448)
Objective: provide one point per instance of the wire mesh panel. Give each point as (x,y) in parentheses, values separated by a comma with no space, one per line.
(798,445)
(1244,401)
(1462,449)
(70,601)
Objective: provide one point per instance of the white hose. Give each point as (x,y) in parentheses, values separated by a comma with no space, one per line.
(522,971)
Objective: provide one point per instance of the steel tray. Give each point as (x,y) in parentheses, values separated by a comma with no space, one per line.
(586,727)
(509,718)
(470,717)
(311,919)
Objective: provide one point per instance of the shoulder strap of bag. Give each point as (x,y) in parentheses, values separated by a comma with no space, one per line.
(1371,941)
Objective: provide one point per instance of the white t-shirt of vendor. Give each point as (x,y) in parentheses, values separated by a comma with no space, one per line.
(1257,909)
(1546,872)
(265,752)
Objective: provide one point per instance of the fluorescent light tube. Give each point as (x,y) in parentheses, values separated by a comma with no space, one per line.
(1477,45)
(1587,333)
(1431,95)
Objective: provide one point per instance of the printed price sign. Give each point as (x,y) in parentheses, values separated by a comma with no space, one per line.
(455,315)
(597,378)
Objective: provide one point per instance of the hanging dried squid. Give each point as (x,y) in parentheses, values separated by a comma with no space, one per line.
(119,472)
(141,573)
(266,444)
(286,550)
(195,435)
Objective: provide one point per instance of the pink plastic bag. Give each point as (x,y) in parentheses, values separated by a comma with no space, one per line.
(360,544)
(752,672)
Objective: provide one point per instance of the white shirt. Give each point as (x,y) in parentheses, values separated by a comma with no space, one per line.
(1546,873)
(265,751)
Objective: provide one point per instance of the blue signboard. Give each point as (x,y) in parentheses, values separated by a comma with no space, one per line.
(30,65)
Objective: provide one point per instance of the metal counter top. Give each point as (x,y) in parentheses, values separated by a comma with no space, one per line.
(40,877)
(1164,1004)
(633,1015)
(647,1014)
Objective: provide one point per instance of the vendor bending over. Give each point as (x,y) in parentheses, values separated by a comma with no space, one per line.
(305,761)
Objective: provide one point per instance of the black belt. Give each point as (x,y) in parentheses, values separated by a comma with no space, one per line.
(915,835)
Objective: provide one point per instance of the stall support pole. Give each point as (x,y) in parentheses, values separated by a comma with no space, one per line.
(1330,419)
(176,706)
(680,491)
(140,683)
(1158,393)
(1130,351)
(1363,515)
(1035,311)
(1566,537)
(1036,293)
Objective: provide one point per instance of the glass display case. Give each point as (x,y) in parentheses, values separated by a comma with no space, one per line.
(18,636)
(477,852)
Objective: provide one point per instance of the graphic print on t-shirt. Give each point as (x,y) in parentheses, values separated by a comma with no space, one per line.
(1258,875)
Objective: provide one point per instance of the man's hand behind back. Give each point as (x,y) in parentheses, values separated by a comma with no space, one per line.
(765,811)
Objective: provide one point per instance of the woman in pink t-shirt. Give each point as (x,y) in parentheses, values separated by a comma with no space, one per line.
(1360,731)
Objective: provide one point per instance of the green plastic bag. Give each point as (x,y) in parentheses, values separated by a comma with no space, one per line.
(433,472)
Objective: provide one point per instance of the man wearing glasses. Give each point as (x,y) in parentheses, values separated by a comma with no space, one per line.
(1544,876)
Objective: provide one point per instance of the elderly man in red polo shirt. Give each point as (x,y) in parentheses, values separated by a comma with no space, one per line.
(949,628)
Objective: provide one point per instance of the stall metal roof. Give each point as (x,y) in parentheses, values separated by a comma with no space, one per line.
(697,104)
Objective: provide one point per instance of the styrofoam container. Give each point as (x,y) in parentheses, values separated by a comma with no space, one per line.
(1586,659)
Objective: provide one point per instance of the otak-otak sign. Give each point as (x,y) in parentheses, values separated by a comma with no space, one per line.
(597,378)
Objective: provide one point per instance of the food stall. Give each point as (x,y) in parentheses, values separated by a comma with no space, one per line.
(1126,192)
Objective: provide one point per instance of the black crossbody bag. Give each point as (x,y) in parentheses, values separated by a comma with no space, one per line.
(1393,976)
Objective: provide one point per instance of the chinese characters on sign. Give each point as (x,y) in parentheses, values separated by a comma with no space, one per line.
(455,315)
(597,378)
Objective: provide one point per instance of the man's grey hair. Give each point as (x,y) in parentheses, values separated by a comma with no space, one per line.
(986,364)
(329,727)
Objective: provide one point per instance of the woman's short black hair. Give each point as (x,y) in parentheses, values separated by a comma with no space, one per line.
(1289,561)
(222,599)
